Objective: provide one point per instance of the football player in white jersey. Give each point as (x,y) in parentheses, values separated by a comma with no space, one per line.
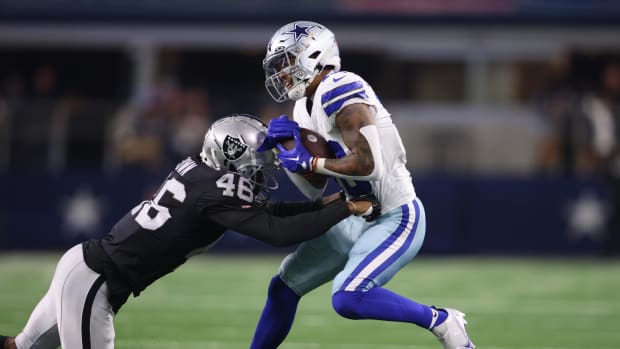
(360,255)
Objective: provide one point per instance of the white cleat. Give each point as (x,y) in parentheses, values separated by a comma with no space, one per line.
(451,333)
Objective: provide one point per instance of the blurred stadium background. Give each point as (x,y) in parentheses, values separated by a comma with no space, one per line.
(509,110)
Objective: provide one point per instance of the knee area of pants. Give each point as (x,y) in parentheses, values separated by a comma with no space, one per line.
(346,304)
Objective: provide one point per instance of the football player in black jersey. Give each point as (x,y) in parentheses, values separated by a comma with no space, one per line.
(199,200)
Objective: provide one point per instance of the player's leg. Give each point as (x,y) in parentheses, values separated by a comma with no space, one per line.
(86,318)
(41,330)
(313,263)
(277,316)
(387,246)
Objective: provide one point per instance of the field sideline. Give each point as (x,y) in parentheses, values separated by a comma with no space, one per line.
(213,302)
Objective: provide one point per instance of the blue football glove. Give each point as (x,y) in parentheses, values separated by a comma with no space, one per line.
(297,159)
(279,129)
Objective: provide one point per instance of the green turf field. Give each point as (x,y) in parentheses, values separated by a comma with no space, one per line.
(214,302)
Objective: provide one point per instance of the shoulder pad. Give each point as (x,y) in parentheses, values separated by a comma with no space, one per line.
(339,87)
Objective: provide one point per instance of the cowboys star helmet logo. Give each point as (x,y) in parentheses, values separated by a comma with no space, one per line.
(299,31)
(233,148)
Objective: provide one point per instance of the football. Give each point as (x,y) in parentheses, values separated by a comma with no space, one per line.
(316,146)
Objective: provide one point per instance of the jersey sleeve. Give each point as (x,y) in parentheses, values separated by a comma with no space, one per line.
(260,223)
(227,199)
(339,90)
(283,209)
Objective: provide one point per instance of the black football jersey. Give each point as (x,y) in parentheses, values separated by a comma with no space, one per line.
(193,207)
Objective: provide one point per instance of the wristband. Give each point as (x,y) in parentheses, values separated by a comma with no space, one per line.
(314,163)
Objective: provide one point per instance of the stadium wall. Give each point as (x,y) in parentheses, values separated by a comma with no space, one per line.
(466,215)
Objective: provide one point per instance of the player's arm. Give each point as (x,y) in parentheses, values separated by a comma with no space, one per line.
(283,209)
(358,131)
(360,135)
(265,226)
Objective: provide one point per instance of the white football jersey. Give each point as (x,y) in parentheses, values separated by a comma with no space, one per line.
(338,90)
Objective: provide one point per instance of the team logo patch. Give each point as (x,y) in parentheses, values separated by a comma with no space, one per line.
(233,148)
(299,31)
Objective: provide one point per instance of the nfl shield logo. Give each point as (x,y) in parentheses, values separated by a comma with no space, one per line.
(233,148)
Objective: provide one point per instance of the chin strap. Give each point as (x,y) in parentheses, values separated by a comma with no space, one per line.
(297,92)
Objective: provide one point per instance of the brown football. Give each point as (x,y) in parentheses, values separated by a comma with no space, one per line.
(316,146)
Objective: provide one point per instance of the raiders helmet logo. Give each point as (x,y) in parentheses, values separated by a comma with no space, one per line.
(233,148)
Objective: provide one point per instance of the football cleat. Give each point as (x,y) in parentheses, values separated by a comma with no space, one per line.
(451,333)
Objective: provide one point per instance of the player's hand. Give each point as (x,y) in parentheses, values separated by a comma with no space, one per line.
(297,159)
(326,200)
(372,205)
(280,128)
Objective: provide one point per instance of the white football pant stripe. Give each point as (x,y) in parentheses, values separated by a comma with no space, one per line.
(387,253)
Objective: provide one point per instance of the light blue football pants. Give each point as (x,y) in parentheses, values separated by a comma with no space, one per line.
(356,254)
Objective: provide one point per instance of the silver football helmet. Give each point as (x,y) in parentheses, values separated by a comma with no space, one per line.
(230,144)
(296,54)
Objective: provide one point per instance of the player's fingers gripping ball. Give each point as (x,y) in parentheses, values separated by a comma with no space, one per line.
(317,146)
(297,159)
(282,127)
(279,129)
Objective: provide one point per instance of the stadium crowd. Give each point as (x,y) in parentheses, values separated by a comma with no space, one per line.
(54,118)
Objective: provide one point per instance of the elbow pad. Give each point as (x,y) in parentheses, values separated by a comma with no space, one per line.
(371,134)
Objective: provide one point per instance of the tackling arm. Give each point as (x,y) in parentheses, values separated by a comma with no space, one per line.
(294,223)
